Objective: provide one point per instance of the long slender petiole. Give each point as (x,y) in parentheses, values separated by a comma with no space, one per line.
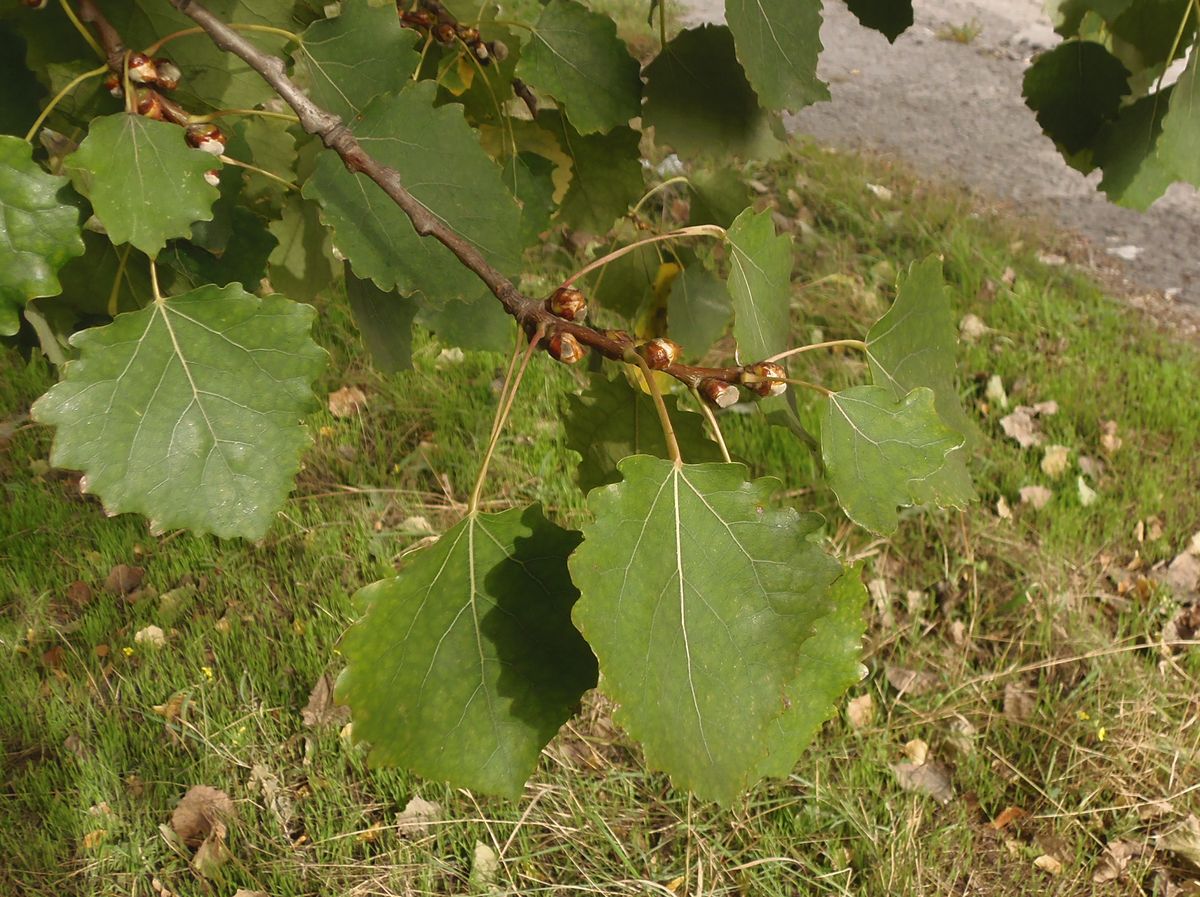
(698,230)
(659,405)
(502,412)
(84,33)
(828,344)
(261,113)
(153,49)
(267,174)
(58,97)
(713,425)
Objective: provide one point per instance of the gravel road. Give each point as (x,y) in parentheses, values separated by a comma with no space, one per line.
(954,111)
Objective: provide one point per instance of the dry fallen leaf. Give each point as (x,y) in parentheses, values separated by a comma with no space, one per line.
(860,711)
(1087,495)
(1183,574)
(123,579)
(1110,442)
(242,892)
(94,838)
(347,401)
(151,635)
(971,328)
(320,710)
(962,736)
(917,751)
(1183,840)
(1021,426)
(1055,460)
(212,855)
(484,867)
(929,778)
(1020,701)
(199,812)
(79,593)
(417,816)
(995,392)
(913,682)
(1007,816)
(1051,865)
(1003,509)
(1037,496)
(1091,467)
(1114,860)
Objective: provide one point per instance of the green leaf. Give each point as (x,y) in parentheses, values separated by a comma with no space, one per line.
(244,259)
(698,311)
(610,421)
(880,452)
(1150,28)
(575,55)
(698,599)
(606,174)
(39,232)
(625,283)
(533,186)
(699,102)
(349,60)
(384,322)
(145,183)
(915,343)
(1134,172)
(778,42)
(1075,89)
(189,410)
(439,159)
(760,282)
(301,264)
(891,18)
(1179,145)
(19,87)
(465,665)
(106,279)
(481,323)
(829,664)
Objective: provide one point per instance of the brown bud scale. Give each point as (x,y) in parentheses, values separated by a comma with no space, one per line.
(659,353)
(168,74)
(568,303)
(565,348)
(141,69)
(764,378)
(719,393)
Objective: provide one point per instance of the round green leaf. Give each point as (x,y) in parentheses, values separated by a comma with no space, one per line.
(465,665)
(575,56)
(760,282)
(145,183)
(698,599)
(778,42)
(39,233)
(189,410)
(1075,89)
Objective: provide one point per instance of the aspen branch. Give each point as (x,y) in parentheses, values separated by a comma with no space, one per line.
(530,313)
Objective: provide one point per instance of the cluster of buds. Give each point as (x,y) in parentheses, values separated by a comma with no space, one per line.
(567,303)
(157,72)
(448,32)
(36,4)
(766,378)
(659,353)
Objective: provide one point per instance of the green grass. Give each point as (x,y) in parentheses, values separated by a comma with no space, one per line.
(91,769)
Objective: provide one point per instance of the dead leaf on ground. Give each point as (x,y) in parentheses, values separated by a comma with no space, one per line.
(1020,701)
(1114,860)
(1183,840)
(1049,864)
(1021,426)
(972,328)
(320,709)
(94,838)
(1087,495)
(79,593)
(930,778)
(1006,817)
(242,892)
(1055,460)
(277,798)
(917,751)
(1091,467)
(860,711)
(123,579)
(1003,509)
(151,635)
(212,855)
(962,736)
(912,682)
(347,401)
(199,813)
(1037,496)
(1110,442)
(995,392)
(417,815)
(1183,574)
(485,866)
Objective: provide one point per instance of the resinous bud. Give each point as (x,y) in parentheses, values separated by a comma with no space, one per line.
(765,378)
(568,303)
(659,353)
(565,348)
(206,136)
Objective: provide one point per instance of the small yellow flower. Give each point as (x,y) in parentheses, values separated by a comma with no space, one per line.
(1082,715)
(127,651)
(1101,733)
(326,431)
(208,673)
